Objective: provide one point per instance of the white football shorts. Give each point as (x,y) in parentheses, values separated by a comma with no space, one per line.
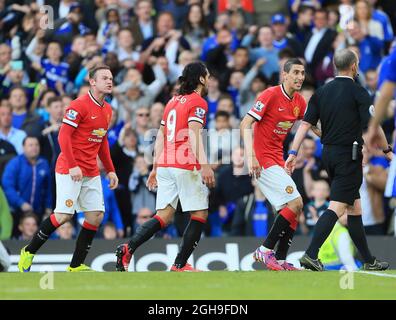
(85,195)
(180,184)
(277,186)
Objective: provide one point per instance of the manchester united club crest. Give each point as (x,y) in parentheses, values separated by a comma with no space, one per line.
(69,203)
(296,111)
(289,189)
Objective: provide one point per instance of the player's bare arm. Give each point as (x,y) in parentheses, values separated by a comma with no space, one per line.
(290,163)
(195,139)
(151,183)
(316,131)
(381,143)
(247,137)
(381,105)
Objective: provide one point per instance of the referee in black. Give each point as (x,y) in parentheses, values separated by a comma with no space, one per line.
(343,108)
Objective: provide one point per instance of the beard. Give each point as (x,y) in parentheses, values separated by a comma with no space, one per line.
(204,91)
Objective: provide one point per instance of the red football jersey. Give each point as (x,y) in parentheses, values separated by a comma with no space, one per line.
(275,113)
(91,121)
(179,111)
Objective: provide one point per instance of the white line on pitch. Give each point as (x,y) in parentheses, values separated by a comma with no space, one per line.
(386,275)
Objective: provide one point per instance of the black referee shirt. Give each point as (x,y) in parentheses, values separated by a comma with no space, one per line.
(343,108)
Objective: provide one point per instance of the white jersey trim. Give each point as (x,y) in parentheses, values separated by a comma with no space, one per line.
(254,115)
(94,100)
(285,94)
(195,119)
(75,125)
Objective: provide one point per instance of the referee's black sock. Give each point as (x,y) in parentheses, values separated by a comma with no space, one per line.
(356,230)
(145,232)
(278,230)
(322,230)
(190,240)
(83,244)
(47,227)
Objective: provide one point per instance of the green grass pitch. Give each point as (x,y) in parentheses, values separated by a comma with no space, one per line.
(260,285)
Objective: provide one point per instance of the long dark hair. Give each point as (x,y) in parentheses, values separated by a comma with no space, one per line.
(190,78)
(187,27)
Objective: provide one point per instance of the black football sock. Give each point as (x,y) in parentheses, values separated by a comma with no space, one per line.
(356,230)
(47,227)
(145,232)
(278,229)
(83,244)
(190,240)
(322,230)
(284,244)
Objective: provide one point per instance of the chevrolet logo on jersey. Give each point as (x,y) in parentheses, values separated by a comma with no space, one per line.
(99,132)
(285,125)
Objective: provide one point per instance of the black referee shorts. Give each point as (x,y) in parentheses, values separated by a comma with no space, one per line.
(346,175)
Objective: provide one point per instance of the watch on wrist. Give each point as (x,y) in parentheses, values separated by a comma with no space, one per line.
(389,149)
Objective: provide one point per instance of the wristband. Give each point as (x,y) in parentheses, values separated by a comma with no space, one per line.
(292,152)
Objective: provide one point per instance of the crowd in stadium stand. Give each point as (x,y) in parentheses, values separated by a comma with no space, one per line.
(45,55)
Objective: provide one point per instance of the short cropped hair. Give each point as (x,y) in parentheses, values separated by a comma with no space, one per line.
(95,69)
(344,59)
(289,63)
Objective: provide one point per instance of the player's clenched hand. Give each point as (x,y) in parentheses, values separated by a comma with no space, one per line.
(113,180)
(208,176)
(151,183)
(76,174)
(290,164)
(254,167)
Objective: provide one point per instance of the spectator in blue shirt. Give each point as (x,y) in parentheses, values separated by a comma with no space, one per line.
(22,118)
(222,22)
(114,128)
(54,71)
(301,27)
(112,212)
(27,182)
(266,50)
(294,5)
(383,18)
(218,58)
(8,132)
(213,97)
(66,28)
(370,47)
(281,38)
(17,77)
